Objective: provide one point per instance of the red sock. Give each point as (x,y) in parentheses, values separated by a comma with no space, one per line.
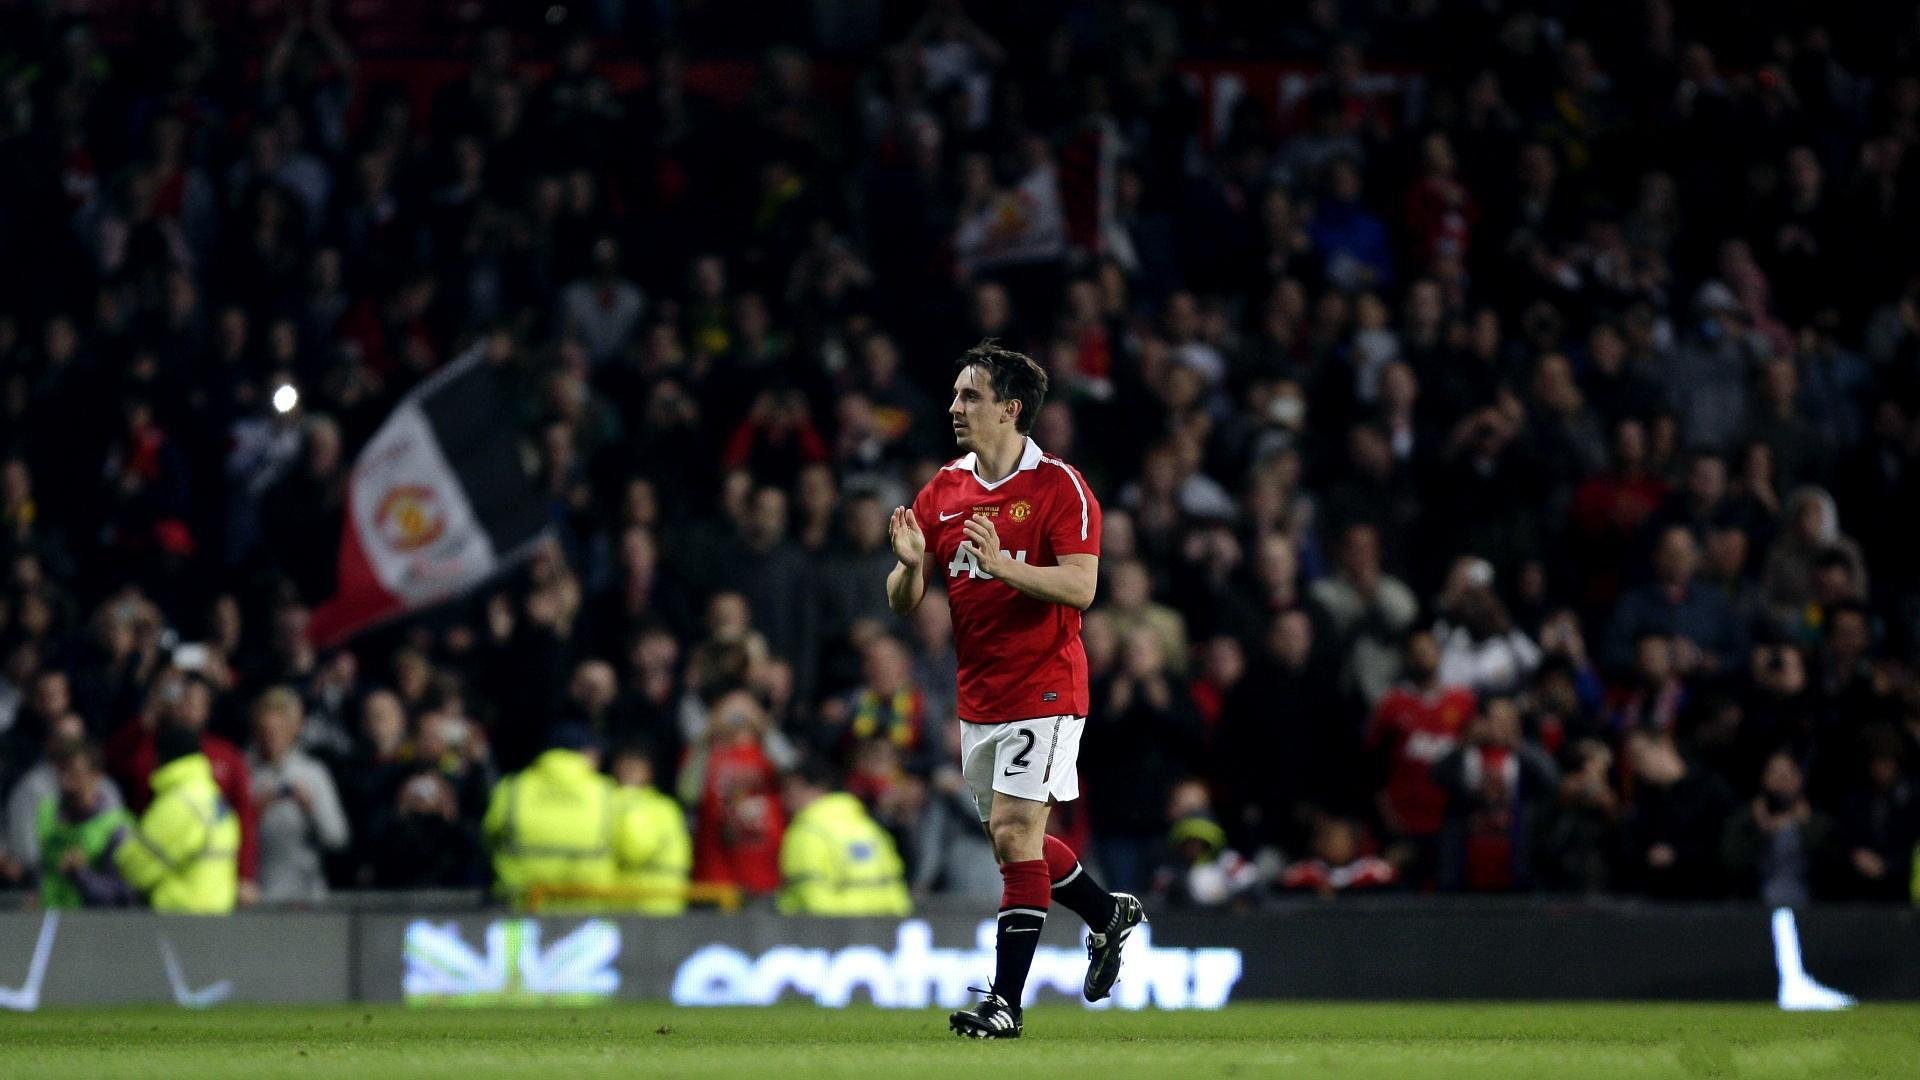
(1023,910)
(1026,885)
(1061,861)
(1076,889)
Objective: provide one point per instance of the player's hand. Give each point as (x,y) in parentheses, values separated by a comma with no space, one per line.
(909,543)
(985,541)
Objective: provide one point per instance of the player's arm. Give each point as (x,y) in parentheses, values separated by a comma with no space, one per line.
(1072,582)
(907,581)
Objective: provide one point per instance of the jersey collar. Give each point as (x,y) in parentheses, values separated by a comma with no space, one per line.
(1029,460)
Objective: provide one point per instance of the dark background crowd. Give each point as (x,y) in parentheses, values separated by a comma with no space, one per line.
(1509,430)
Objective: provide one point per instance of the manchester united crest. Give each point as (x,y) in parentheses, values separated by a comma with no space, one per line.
(409,517)
(1019,510)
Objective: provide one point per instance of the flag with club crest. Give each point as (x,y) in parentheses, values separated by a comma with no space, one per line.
(437,503)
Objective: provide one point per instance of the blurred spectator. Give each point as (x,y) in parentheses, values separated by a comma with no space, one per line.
(657,856)
(183,855)
(1338,864)
(1810,528)
(732,785)
(1138,705)
(1367,611)
(184,701)
(604,309)
(1414,726)
(1778,843)
(834,860)
(29,794)
(370,780)
(1674,820)
(423,842)
(76,827)
(1480,647)
(1496,785)
(1579,836)
(1283,743)
(1653,695)
(301,820)
(1198,869)
(553,828)
(1878,829)
(1706,634)
(1131,607)
(887,705)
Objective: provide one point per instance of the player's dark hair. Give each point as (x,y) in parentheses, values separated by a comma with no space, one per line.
(1013,376)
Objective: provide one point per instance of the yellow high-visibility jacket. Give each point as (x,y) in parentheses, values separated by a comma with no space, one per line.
(836,860)
(653,852)
(553,825)
(184,855)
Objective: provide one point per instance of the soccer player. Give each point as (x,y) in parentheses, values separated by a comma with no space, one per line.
(1015,534)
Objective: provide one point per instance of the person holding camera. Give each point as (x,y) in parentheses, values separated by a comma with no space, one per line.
(301,819)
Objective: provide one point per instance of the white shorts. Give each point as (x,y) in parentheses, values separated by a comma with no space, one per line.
(1034,759)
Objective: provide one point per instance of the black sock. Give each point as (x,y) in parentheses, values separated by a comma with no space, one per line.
(1019,936)
(1084,897)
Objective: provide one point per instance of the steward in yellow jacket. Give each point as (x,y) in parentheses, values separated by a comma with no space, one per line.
(835,859)
(653,851)
(184,855)
(551,825)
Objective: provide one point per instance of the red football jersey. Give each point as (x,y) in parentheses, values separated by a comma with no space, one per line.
(1020,657)
(1417,731)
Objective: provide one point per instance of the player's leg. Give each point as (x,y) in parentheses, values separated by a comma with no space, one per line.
(1110,917)
(1018,827)
(1016,822)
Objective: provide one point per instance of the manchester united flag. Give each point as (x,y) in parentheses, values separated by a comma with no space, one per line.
(437,503)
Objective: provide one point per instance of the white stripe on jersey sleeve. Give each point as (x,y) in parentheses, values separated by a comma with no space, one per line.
(1082,492)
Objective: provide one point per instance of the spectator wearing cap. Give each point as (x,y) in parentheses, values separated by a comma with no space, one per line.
(183,856)
(301,819)
(1197,868)
(1480,647)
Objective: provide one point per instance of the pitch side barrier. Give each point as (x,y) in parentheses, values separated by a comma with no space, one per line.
(444,956)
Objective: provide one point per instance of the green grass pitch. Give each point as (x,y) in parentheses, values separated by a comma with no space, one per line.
(1557,1042)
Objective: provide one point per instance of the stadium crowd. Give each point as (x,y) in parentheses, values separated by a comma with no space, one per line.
(1510,443)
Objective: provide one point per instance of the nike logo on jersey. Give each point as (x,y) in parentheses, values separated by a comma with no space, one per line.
(950,517)
(1011,772)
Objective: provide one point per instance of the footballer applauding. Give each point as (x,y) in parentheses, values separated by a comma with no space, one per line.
(1015,534)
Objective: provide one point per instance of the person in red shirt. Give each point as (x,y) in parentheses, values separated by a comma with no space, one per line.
(1416,724)
(185,698)
(1015,535)
(740,823)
